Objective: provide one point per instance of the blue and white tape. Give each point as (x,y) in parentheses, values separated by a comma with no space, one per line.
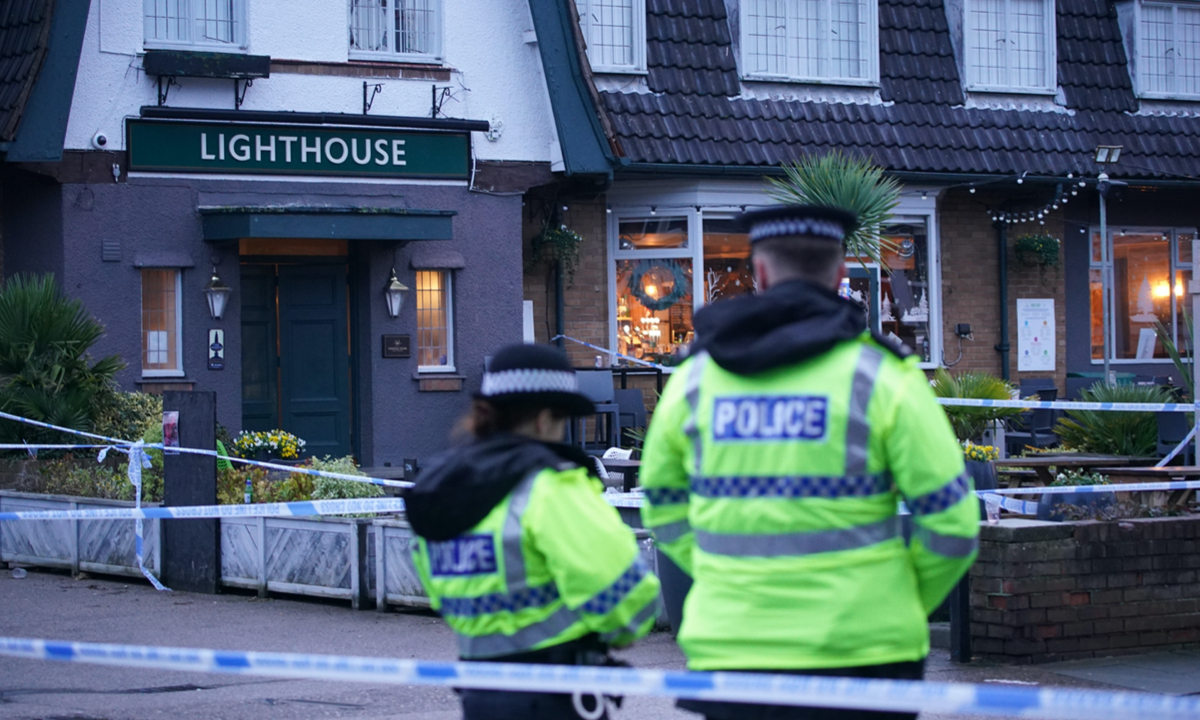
(1069,405)
(612,353)
(196,512)
(845,693)
(1116,487)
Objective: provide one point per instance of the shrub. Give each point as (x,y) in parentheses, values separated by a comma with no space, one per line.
(45,371)
(333,489)
(1113,433)
(970,422)
(127,415)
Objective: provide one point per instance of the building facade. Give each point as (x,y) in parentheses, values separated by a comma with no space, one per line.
(303,162)
(990,114)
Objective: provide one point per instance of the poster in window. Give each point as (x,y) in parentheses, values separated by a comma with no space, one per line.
(1035,335)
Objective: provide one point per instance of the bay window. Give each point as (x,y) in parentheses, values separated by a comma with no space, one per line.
(1151,269)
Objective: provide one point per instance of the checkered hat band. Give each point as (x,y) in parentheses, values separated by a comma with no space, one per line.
(507,382)
(780,228)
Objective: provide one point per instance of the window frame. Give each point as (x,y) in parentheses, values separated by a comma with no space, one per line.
(870,43)
(1049,80)
(638,67)
(1139,52)
(162,372)
(238,45)
(1175,267)
(911,211)
(447,279)
(433,58)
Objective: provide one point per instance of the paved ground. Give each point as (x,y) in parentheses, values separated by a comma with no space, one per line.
(56,606)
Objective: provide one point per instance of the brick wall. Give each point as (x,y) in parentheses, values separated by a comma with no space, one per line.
(971,282)
(585,313)
(1042,592)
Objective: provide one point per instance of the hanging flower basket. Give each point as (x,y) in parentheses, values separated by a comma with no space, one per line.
(1037,250)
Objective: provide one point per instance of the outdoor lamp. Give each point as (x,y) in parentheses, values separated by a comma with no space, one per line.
(1108,154)
(394,292)
(217,293)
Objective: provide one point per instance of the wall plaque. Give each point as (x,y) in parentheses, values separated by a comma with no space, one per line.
(396,346)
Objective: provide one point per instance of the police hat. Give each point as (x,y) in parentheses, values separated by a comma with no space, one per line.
(534,373)
(815,221)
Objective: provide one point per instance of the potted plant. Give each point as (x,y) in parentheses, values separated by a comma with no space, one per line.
(268,445)
(1055,507)
(557,245)
(970,422)
(1037,250)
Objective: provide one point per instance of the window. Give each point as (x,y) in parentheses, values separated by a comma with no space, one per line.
(162,336)
(396,29)
(435,322)
(653,286)
(898,301)
(615,31)
(811,40)
(1151,269)
(1010,45)
(1168,55)
(204,23)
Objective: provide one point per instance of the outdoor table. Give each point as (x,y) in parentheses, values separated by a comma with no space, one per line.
(1041,464)
(630,469)
(1120,475)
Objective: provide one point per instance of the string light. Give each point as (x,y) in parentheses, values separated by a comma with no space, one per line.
(653,209)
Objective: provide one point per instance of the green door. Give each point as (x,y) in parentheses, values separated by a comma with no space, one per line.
(295,353)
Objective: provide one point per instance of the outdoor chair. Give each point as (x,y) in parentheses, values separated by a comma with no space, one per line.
(597,385)
(1036,427)
(1172,429)
(632,409)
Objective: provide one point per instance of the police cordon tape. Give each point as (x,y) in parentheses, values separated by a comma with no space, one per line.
(611,353)
(1069,405)
(845,693)
(307,508)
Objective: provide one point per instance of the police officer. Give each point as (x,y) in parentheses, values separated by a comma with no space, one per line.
(517,549)
(772,470)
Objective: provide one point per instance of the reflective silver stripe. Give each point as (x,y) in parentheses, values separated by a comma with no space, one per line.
(514,554)
(691,391)
(649,612)
(671,532)
(858,431)
(484,646)
(793,544)
(947,545)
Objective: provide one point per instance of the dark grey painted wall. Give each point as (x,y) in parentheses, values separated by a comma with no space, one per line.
(156,220)
(1140,208)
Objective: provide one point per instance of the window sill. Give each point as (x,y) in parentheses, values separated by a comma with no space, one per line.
(373,68)
(619,71)
(1037,92)
(439,381)
(823,82)
(155,385)
(396,59)
(196,47)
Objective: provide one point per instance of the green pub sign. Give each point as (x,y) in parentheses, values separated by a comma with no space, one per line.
(157,146)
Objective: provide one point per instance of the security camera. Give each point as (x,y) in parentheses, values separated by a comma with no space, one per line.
(100,140)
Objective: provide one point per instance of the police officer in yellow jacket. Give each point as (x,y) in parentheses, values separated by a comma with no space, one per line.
(518,550)
(772,473)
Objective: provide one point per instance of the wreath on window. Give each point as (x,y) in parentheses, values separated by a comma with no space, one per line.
(679,290)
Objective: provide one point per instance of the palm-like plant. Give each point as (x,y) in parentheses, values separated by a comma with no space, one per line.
(1113,433)
(970,422)
(45,371)
(854,184)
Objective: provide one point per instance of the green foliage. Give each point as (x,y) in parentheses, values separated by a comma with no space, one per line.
(555,245)
(970,422)
(84,477)
(45,371)
(846,182)
(231,486)
(126,415)
(1181,359)
(1078,478)
(333,489)
(1037,250)
(1113,433)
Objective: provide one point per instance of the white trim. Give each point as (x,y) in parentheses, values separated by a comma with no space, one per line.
(237,46)
(1049,84)
(177,371)
(1139,52)
(638,40)
(448,291)
(868,48)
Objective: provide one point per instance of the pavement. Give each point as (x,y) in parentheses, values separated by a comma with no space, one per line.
(52,605)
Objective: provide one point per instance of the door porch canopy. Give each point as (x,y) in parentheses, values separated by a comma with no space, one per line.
(228,224)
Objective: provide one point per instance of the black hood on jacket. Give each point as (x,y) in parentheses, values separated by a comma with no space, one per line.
(460,486)
(789,323)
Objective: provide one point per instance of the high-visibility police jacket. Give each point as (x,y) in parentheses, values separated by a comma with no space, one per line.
(778,493)
(549,564)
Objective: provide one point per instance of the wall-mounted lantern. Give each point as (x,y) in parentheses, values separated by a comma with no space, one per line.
(394,292)
(218,294)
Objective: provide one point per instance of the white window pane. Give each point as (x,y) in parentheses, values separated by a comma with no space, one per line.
(767,23)
(1027,43)
(1154,59)
(804,42)
(160,320)
(1187,59)
(369,25)
(986,41)
(434,342)
(415,26)
(610,32)
(847,31)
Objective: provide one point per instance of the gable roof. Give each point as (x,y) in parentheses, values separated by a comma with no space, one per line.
(696,117)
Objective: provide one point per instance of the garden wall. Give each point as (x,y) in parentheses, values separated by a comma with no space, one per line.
(1042,592)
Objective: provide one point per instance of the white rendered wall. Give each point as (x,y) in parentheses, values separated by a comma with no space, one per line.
(494,73)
